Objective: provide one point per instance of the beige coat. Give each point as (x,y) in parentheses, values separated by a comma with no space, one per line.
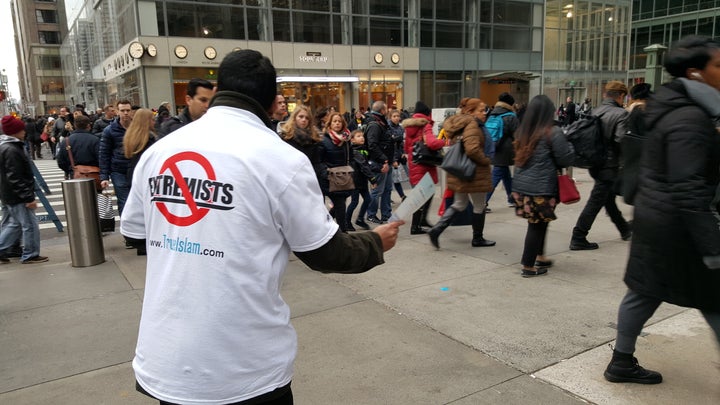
(473,139)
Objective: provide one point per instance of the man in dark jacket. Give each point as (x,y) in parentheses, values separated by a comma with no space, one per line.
(381,150)
(613,116)
(84,146)
(504,152)
(113,163)
(17,193)
(102,122)
(197,99)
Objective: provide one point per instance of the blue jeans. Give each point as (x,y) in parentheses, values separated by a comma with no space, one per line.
(382,193)
(501,173)
(354,199)
(20,221)
(122,189)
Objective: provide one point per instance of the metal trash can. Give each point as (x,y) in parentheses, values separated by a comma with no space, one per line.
(83,224)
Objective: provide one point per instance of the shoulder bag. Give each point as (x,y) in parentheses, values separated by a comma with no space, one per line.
(82,171)
(423,155)
(341,177)
(457,163)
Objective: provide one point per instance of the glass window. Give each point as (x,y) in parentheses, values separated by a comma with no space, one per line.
(281,26)
(515,38)
(49,37)
(688,28)
(51,85)
(448,10)
(427,83)
(254,25)
(486,11)
(386,31)
(336,29)
(160,14)
(281,4)
(359,7)
(360,30)
(705,26)
(46,16)
(675,6)
(311,5)
(46,62)
(449,35)
(205,21)
(661,8)
(513,12)
(426,34)
(311,28)
(385,8)
(426,8)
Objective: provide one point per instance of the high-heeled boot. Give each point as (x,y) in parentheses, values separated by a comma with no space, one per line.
(478,224)
(425,210)
(442,223)
(415,228)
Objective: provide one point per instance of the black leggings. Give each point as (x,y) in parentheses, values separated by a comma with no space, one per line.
(534,243)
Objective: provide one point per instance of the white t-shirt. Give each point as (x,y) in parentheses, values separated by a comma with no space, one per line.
(222,202)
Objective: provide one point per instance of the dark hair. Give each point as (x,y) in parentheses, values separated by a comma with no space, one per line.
(690,52)
(123,102)
(505,97)
(249,72)
(538,119)
(640,91)
(195,83)
(82,122)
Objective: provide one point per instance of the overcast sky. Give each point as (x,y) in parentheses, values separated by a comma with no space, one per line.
(8,61)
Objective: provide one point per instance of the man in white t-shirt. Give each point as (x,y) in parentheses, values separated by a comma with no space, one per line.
(220,206)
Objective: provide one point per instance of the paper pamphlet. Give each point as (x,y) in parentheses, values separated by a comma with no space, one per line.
(418,196)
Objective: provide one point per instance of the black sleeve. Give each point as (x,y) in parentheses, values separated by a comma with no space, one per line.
(346,253)
(374,132)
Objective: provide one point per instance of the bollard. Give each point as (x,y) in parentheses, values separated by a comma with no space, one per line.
(83,224)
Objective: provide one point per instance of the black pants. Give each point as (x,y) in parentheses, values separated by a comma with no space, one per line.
(534,243)
(602,195)
(339,208)
(279,396)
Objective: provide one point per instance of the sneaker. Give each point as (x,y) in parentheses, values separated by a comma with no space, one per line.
(128,245)
(375,220)
(511,204)
(36,259)
(487,209)
(582,244)
(617,372)
(362,224)
(539,271)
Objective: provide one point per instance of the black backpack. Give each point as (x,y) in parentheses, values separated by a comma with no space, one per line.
(586,136)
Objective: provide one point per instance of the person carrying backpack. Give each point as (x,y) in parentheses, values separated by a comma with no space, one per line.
(613,116)
(501,125)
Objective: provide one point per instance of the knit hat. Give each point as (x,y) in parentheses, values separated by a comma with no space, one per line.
(422,108)
(616,86)
(12,125)
(506,98)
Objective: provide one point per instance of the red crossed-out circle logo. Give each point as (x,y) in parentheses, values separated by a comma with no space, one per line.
(196,213)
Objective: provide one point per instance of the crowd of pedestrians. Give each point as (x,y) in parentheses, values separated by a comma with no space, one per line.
(270,180)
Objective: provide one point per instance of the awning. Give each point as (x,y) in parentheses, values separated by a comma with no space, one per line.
(318,79)
(522,76)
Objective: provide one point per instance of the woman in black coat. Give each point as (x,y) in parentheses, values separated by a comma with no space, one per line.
(675,251)
(335,151)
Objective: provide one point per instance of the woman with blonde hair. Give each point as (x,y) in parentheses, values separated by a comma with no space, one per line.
(139,136)
(300,132)
(467,127)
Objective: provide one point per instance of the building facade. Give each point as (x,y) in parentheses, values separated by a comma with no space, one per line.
(349,53)
(40,27)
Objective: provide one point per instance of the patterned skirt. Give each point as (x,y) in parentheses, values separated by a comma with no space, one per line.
(535,208)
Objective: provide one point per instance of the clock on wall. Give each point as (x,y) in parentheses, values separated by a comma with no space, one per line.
(378,58)
(152,50)
(395,58)
(136,50)
(181,52)
(210,53)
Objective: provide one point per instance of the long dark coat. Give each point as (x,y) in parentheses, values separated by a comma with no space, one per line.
(674,227)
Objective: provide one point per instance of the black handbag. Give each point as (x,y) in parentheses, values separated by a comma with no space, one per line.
(423,155)
(457,163)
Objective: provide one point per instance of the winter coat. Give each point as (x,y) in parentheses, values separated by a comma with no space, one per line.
(674,227)
(17,183)
(311,148)
(613,124)
(504,151)
(397,134)
(85,150)
(378,139)
(418,126)
(473,139)
(538,176)
(112,156)
(175,122)
(332,155)
(363,171)
(100,124)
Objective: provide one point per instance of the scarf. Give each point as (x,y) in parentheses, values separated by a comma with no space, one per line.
(227,98)
(338,138)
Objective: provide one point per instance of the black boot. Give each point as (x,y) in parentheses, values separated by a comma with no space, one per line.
(478,224)
(625,368)
(425,209)
(444,222)
(415,228)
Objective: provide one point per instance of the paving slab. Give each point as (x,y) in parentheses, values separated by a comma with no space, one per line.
(521,390)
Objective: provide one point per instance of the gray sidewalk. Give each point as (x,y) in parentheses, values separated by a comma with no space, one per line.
(455,326)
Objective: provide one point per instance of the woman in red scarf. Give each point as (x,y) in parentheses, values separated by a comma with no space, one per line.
(335,150)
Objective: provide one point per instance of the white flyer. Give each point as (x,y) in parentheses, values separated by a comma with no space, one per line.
(418,196)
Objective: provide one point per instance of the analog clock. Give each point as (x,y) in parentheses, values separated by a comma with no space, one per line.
(378,58)
(210,53)
(152,50)
(395,58)
(136,50)
(181,52)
